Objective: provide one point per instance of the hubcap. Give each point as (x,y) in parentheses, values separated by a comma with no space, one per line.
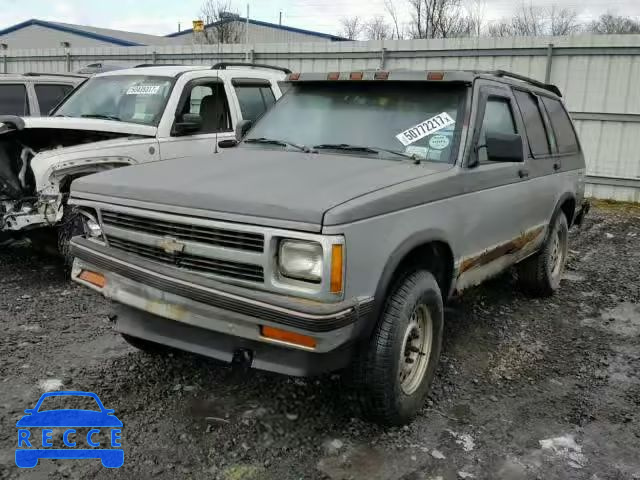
(416,350)
(557,254)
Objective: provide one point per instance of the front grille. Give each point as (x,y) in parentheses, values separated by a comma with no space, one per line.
(222,237)
(193,263)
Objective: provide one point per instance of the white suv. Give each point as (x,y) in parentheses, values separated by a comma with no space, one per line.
(121,118)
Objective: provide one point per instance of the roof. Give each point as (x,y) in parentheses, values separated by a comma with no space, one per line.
(464,76)
(175,70)
(116,37)
(333,38)
(42,77)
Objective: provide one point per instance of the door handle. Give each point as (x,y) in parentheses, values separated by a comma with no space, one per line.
(523,173)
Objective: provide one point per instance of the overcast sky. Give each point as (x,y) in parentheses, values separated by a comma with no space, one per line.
(163,16)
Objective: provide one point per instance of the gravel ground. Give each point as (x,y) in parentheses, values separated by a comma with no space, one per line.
(538,389)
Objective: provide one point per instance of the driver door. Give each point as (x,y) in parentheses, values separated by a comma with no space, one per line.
(203,116)
(497,200)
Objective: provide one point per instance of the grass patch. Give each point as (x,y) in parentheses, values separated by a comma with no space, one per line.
(614,205)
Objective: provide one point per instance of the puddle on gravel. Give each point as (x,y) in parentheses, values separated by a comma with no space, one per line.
(623,319)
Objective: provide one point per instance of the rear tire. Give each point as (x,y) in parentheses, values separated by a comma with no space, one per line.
(146,346)
(395,370)
(540,274)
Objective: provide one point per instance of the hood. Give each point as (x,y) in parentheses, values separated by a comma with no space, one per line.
(70,123)
(273,184)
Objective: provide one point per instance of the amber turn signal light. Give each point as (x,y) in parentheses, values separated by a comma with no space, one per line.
(93,278)
(336,268)
(287,337)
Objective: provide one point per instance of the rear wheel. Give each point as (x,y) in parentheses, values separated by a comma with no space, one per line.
(395,371)
(540,274)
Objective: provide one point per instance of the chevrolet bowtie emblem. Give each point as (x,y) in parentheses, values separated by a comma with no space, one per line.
(171,245)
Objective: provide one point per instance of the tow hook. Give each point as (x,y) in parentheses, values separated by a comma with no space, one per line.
(242,360)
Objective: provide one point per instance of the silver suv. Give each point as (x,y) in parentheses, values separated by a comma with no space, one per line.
(34,94)
(333,234)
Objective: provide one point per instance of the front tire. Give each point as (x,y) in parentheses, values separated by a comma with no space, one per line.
(395,371)
(540,274)
(70,227)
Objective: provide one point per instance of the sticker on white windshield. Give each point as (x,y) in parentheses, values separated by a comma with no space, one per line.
(421,130)
(143,90)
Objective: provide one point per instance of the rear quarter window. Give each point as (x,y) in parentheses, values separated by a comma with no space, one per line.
(563,130)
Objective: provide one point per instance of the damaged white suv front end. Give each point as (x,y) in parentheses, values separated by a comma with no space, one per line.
(40,157)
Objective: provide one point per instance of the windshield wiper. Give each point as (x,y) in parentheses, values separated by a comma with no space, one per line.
(282,143)
(357,148)
(102,117)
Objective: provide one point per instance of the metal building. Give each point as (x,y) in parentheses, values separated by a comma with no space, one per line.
(259,32)
(36,33)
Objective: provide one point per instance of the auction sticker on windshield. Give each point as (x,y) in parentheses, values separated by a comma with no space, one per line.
(421,130)
(144,90)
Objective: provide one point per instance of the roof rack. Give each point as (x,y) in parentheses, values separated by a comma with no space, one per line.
(547,86)
(224,65)
(148,65)
(37,74)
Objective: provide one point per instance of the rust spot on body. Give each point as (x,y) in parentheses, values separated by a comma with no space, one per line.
(508,248)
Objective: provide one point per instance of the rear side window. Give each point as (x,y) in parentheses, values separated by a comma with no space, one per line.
(536,133)
(562,127)
(254,100)
(50,95)
(13,100)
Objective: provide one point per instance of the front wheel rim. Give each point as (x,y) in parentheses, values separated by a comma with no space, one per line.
(416,350)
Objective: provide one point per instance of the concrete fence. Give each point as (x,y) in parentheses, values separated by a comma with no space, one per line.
(599,75)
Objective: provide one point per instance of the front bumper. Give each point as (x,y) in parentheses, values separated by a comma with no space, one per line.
(191,312)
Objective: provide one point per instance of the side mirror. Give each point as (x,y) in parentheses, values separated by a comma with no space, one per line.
(227,143)
(242,128)
(504,147)
(189,124)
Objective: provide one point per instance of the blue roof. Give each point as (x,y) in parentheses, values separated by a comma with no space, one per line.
(333,38)
(69,29)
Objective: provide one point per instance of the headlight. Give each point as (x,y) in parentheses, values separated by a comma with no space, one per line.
(92,228)
(301,260)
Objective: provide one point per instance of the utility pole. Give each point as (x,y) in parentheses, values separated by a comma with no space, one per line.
(280,22)
(246,37)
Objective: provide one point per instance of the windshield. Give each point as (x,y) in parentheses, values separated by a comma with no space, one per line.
(388,120)
(126,98)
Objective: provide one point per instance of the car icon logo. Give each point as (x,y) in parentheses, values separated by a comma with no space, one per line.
(97,422)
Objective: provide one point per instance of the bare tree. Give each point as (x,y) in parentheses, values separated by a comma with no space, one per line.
(563,21)
(608,23)
(476,16)
(377,29)
(352,27)
(530,20)
(221,19)
(398,31)
(445,18)
(500,28)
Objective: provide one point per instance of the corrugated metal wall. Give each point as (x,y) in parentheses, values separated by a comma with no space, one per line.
(600,76)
